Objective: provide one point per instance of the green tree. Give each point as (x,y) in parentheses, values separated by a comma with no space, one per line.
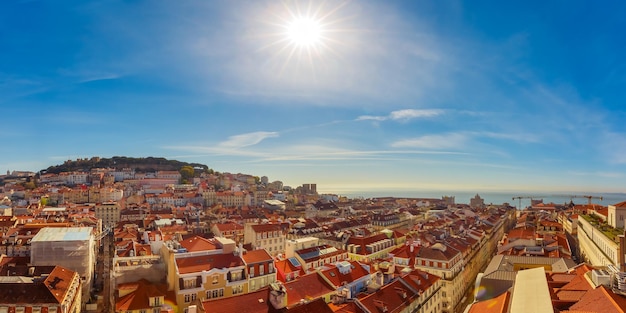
(187,174)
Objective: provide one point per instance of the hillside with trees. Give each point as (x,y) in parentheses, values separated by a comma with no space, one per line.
(148,164)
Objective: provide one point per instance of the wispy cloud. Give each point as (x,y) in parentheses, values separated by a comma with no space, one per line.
(249,139)
(518,137)
(443,141)
(599,174)
(403,115)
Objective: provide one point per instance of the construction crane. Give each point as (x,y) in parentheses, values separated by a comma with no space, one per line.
(519,207)
(586,196)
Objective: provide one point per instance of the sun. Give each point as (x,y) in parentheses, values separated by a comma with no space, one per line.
(304,32)
(303,35)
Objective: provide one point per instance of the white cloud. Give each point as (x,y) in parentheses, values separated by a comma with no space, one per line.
(403,115)
(519,137)
(245,140)
(371,118)
(443,141)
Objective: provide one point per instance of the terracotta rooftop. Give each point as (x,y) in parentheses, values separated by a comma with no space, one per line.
(197,243)
(498,304)
(334,275)
(393,297)
(51,290)
(198,264)
(139,298)
(600,300)
(257,302)
(309,286)
(260,228)
(256,256)
(620,205)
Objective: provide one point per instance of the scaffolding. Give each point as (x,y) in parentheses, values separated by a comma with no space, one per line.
(70,247)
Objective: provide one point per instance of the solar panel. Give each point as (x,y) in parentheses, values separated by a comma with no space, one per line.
(294,262)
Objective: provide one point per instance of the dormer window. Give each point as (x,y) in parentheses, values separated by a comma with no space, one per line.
(156,301)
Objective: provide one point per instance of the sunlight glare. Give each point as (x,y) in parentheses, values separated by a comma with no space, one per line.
(305,32)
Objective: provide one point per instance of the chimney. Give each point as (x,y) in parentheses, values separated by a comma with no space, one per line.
(54,282)
(278,295)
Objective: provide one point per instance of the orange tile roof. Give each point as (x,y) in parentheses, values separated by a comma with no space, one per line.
(498,304)
(333,274)
(393,297)
(254,302)
(620,205)
(58,282)
(600,300)
(197,243)
(256,256)
(309,286)
(140,297)
(207,262)
(229,226)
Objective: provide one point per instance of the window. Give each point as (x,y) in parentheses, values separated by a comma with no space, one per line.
(215,279)
(271,266)
(237,289)
(187,298)
(235,276)
(215,293)
(261,269)
(190,283)
(251,269)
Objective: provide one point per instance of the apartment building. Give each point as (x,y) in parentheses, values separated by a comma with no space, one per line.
(108,212)
(270,237)
(601,244)
(143,296)
(260,269)
(368,248)
(349,278)
(232,231)
(57,291)
(202,269)
(315,257)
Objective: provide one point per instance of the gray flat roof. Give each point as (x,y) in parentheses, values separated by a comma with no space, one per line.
(63,234)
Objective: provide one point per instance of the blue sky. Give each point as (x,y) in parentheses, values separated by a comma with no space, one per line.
(445,95)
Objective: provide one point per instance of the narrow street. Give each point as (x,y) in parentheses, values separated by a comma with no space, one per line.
(104,276)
